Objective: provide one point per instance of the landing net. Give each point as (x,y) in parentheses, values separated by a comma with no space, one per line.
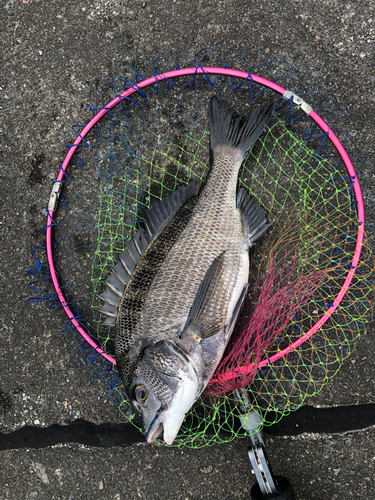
(303,316)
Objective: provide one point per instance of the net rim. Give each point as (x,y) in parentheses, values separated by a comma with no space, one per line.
(155,79)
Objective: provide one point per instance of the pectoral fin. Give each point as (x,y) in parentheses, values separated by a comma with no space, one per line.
(205,318)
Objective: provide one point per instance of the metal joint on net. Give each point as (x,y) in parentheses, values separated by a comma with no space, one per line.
(298,101)
(54,196)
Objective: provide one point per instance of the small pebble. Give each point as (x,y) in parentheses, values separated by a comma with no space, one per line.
(31,494)
(207,470)
(364,470)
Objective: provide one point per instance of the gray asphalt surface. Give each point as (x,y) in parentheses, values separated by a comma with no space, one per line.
(54,54)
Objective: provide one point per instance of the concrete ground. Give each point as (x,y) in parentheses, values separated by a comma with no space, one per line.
(54,54)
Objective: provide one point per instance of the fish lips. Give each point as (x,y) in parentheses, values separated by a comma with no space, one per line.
(155,430)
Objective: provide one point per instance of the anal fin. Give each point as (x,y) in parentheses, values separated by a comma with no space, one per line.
(254,217)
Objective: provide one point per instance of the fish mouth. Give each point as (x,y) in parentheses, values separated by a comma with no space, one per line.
(155,430)
(169,429)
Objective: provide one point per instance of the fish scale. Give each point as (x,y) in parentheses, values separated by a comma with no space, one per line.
(215,226)
(132,303)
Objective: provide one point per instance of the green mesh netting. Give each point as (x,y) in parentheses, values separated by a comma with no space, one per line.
(159,140)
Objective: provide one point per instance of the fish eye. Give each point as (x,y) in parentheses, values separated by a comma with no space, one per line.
(140,393)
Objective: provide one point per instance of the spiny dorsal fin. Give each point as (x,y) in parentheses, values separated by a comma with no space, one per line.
(205,315)
(254,217)
(158,216)
(162,212)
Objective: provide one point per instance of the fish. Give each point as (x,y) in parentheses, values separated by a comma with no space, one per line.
(177,290)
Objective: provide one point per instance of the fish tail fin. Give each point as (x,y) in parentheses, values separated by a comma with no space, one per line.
(228,128)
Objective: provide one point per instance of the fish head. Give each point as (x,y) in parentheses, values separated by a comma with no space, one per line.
(164,387)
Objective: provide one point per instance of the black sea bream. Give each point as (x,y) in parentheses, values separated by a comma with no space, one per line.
(175,295)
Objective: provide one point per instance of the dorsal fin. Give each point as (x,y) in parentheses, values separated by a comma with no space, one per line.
(157,218)
(254,217)
(162,212)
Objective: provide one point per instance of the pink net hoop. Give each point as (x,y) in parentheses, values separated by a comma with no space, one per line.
(230,73)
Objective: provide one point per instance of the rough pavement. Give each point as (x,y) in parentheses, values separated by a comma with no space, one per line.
(54,54)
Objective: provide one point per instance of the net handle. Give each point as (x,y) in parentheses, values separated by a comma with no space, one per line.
(244,370)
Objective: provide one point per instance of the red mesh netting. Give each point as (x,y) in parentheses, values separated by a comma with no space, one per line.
(272,303)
